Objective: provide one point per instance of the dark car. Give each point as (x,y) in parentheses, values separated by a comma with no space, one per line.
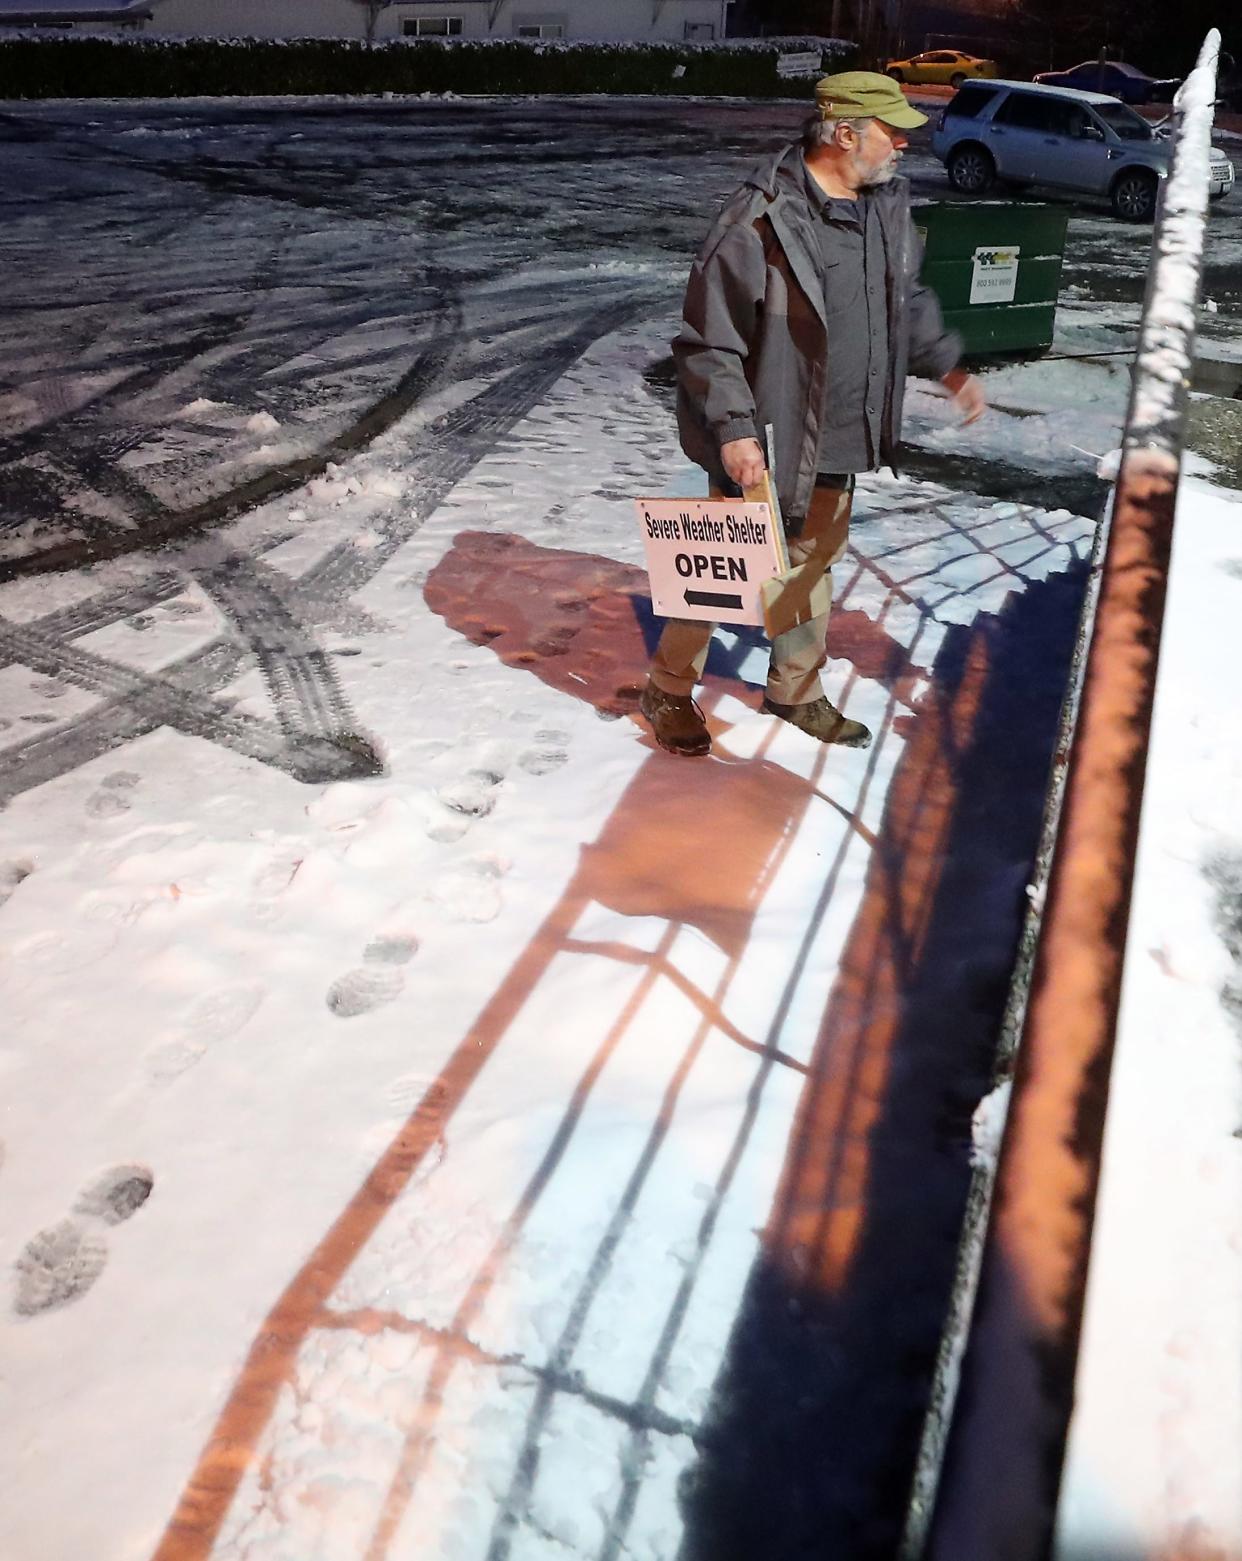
(1229,93)
(1115,78)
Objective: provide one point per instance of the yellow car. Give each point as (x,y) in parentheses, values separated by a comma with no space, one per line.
(940,67)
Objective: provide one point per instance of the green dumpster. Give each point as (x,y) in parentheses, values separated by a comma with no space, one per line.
(996,268)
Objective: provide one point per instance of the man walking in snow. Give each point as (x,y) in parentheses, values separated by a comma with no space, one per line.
(804,313)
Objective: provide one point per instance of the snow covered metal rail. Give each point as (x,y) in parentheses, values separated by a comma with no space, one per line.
(990,1470)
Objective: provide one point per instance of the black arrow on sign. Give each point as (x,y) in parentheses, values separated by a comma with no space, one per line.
(712,599)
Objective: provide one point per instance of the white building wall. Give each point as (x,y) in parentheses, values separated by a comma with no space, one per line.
(603,20)
(610,21)
(252,19)
(394,21)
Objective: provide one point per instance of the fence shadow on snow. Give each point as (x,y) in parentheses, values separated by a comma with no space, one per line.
(813,1426)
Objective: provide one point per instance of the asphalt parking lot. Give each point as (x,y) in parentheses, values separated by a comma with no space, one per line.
(295,272)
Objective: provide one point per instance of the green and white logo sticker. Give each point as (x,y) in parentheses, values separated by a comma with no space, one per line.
(994,278)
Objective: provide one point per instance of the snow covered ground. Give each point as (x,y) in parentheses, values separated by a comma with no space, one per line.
(439,1124)
(520,945)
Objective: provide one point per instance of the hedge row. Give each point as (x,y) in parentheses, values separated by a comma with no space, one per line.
(100,67)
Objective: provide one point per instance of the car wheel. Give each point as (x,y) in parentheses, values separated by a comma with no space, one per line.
(971,170)
(957,78)
(896,75)
(1134,196)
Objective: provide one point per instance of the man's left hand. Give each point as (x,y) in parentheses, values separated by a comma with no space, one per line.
(967,394)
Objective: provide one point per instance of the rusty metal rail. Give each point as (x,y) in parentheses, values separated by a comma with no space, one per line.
(990,1467)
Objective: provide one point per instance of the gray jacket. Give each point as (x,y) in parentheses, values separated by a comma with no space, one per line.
(753,346)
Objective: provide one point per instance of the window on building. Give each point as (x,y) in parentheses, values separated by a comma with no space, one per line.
(700,32)
(541,29)
(431,27)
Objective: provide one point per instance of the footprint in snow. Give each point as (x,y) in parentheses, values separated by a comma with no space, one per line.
(378,981)
(384,950)
(52,953)
(548,754)
(213,1017)
(223,1012)
(11,875)
(60,1264)
(472,795)
(269,885)
(468,798)
(404,1093)
(116,1194)
(359,991)
(112,798)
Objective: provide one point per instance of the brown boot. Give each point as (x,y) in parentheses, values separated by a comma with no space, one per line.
(676,720)
(823,721)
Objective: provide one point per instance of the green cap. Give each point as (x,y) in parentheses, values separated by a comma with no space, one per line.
(863,94)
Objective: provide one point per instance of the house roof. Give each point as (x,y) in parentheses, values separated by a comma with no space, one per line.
(15,12)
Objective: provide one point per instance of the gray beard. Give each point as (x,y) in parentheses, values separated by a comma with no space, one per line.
(883,177)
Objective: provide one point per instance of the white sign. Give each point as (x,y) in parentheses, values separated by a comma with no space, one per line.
(797,64)
(994,279)
(708,558)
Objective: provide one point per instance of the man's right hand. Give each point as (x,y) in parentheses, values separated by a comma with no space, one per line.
(743,461)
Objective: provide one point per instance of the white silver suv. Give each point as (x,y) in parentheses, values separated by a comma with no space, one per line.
(1026,133)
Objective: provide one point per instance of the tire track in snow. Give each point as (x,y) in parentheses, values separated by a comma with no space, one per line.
(430,371)
(273,620)
(100,611)
(157,522)
(300,679)
(145,702)
(167,361)
(306,689)
(464,437)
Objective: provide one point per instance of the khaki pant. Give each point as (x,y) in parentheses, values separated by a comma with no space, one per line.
(798,654)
